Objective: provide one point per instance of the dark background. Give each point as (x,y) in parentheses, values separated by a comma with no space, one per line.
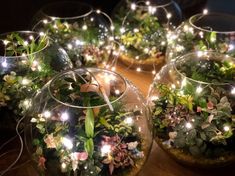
(17,14)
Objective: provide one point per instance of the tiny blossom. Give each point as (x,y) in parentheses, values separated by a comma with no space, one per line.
(210,105)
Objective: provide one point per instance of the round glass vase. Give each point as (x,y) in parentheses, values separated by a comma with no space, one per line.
(201,32)
(83,32)
(27,61)
(141,28)
(192,103)
(89,122)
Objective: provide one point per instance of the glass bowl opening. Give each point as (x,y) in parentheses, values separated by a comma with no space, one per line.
(104,83)
(219,22)
(205,63)
(63,10)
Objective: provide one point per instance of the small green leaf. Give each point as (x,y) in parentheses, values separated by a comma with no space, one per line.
(89,146)
(89,123)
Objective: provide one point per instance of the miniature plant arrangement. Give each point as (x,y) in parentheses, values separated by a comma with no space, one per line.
(142,30)
(83,32)
(202,32)
(193,108)
(26,63)
(89,122)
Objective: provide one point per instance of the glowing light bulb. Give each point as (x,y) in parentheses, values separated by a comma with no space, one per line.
(26,43)
(64,116)
(31,37)
(136,30)
(128,121)
(84,27)
(226,128)
(188,125)
(41,33)
(200,53)
(47,114)
(233,91)
(138,69)
(67,143)
(4,64)
(112,28)
(105,150)
(70,46)
(5,42)
(133,6)
(205,11)
(45,21)
(113,68)
(98,11)
(169,15)
(184,82)
(122,30)
(199,89)
(25,81)
(147,3)
(153,72)
(117,91)
(63,166)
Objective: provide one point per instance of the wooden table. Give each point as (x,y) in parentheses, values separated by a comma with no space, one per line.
(158,164)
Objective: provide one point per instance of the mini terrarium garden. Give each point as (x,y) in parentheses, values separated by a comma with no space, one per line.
(89,122)
(203,32)
(83,32)
(193,109)
(142,32)
(26,64)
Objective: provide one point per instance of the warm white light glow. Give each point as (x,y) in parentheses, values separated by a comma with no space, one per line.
(199,89)
(188,125)
(226,128)
(122,30)
(105,150)
(63,166)
(205,11)
(47,114)
(67,143)
(4,64)
(84,27)
(138,69)
(45,21)
(129,120)
(153,72)
(70,46)
(98,11)
(133,6)
(64,116)
(169,15)
(31,37)
(117,91)
(25,81)
(233,91)
(26,43)
(41,33)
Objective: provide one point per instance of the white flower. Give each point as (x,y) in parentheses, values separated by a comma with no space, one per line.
(132,145)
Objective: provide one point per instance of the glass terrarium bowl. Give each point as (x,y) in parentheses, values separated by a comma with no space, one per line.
(89,122)
(27,61)
(141,28)
(201,32)
(81,31)
(193,106)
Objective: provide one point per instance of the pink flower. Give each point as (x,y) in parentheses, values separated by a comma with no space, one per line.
(82,156)
(210,105)
(199,109)
(41,162)
(50,141)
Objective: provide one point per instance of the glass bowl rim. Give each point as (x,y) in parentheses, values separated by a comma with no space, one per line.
(90,69)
